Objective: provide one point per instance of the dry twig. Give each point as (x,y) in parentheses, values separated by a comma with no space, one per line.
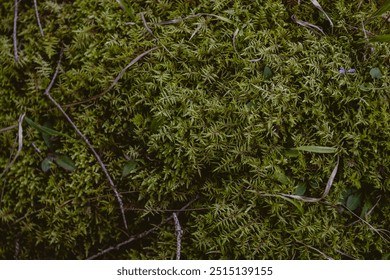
(154,36)
(135,60)
(113,187)
(37,15)
(326,191)
(8,128)
(20,145)
(141,235)
(318,251)
(307,24)
(179,234)
(384,234)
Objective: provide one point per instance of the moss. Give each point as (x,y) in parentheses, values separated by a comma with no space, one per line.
(199,119)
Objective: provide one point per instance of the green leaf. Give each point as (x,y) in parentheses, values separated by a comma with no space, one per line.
(129,167)
(267,73)
(45,164)
(65,162)
(41,128)
(291,153)
(281,177)
(384,38)
(317,149)
(46,138)
(366,207)
(383,9)
(353,202)
(300,189)
(375,73)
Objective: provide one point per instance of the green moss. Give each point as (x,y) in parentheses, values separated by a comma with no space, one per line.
(200,120)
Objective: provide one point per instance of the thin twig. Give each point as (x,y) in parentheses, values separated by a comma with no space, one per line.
(372,208)
(345,254)
(385,236)
(135,60)
(20,145)
(17,248)
(36,148)
(315,249)
(151,33)
(307,24)
(37,15)
(326,191)
(179,234)
(167,210)
(8,128)
(2,193)
(14,33)
(141,235)
(113,187)
(195,31)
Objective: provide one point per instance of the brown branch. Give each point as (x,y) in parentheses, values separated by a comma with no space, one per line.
(20,145)
(113,187)
(8,128)
(151,33)
(115,81)
(37,15)
(141,235)
(179,234)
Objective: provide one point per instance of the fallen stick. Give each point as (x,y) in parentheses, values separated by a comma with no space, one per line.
(113,187)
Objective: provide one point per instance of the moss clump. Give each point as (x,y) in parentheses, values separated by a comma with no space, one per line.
(197,118)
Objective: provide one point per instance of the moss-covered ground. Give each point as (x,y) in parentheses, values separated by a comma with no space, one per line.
(206,121)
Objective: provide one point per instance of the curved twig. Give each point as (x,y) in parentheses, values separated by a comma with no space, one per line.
(140,235)
(113,187)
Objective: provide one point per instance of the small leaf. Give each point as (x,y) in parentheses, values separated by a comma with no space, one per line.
(41,128)
(267,73)
(365,209)
(317,149)
(281,177)
(129,167)
(45,164)
(65,162)
(291,153)
(383,9)
(155,125)
(375,73)
(300,189)
(384,38)
(47,139)
(353,202)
